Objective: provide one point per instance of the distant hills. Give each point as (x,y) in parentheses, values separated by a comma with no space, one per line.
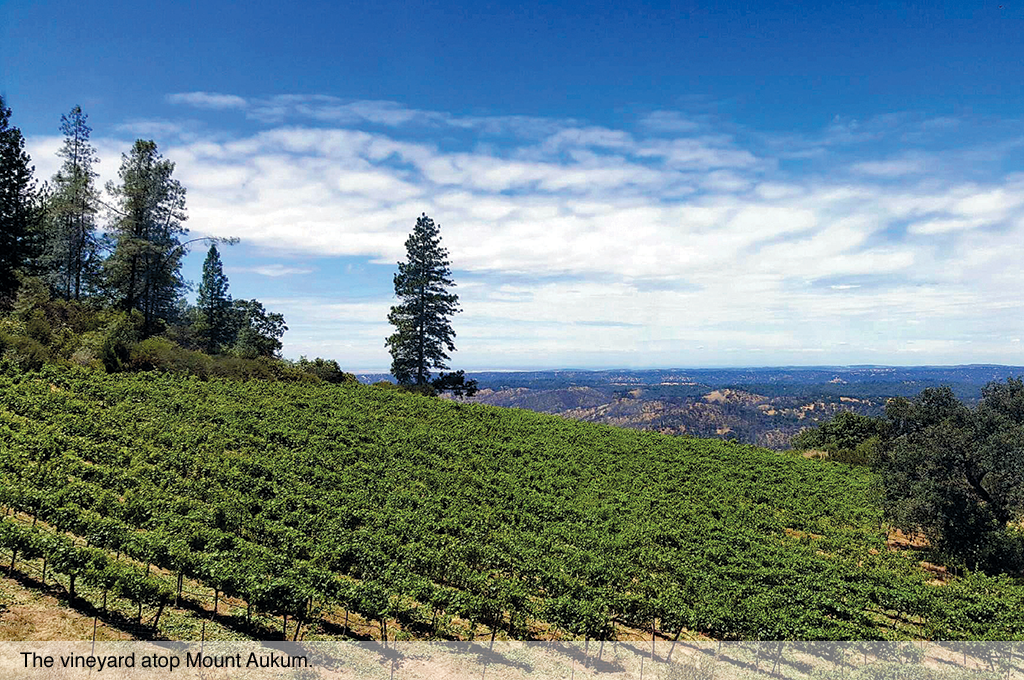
(763,406)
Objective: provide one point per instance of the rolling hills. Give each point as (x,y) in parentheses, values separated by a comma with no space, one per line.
(761,406)
(440,519)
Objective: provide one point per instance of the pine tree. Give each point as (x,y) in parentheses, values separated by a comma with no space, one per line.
(72,257)
(214,303)
(17,206)
(144,271)
(423,331)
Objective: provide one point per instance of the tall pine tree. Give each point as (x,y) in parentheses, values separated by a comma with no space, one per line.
(17,206)
(423,331)
(72,258)
(214,303)
(144,271)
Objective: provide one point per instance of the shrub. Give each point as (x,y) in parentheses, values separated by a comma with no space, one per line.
(38,327)
(25,353)
(86,356)
(119,335)
(160,354)
(327,370)
(848,437)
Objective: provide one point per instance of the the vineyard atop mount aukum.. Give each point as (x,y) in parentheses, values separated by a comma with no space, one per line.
(437,519)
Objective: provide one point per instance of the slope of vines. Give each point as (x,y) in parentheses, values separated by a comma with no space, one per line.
(296,498)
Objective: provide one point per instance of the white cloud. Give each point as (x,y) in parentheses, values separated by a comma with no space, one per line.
(620,243)
(668,121)
(208,100)
(276,270)
(151,128)
(890,168)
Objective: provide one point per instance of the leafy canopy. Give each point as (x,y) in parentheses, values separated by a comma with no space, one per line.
(957,474)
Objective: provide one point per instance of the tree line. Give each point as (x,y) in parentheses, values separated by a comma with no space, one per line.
(61,273)
(124,283)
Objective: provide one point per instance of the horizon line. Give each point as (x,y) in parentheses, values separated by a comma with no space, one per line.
(807,367)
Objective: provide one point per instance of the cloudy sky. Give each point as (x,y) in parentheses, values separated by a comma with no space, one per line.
(631,185)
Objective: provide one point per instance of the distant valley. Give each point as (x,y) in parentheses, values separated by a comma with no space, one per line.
(762,406)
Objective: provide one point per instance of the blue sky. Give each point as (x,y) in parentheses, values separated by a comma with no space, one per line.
(619,185)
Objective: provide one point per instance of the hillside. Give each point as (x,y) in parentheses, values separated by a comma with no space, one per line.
(427,518)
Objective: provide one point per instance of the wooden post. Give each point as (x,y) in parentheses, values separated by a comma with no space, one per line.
(674,641)
(160,609)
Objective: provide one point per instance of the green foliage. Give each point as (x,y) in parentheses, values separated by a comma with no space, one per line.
(24,353)
(256,332)
(38,327)
(423,332)
(327,370)
(43,331)
(214,304)
(18,210)
(143,272)
(455,383)
(848,437)
(160,354)
(957,474)
(71,259)
(426,510)
(119,335)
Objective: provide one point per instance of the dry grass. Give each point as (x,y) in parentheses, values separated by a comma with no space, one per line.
(30,614)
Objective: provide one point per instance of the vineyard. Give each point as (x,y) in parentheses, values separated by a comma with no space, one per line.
(441,520)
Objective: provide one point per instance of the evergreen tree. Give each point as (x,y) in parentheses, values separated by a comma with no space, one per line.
(423,331)
(17,206)
(214,303)
(144,271)
(72,259)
